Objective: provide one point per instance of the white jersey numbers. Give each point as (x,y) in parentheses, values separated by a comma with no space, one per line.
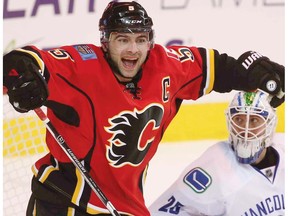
(186,54)
(182,54)
(60,54)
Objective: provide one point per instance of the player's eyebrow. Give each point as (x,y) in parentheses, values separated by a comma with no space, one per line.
(121,35)
(141,35)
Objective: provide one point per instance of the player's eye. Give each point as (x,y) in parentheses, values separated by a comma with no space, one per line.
(238,120)
(142,40)
(122,40)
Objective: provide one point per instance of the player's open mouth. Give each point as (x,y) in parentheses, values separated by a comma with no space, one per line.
(129,63)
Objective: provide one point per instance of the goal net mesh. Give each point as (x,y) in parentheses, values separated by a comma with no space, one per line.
(23,144)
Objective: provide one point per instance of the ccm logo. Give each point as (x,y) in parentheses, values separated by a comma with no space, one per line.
(250,59)
(133,21)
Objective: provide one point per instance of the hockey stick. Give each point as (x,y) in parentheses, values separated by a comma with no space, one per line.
(62,143)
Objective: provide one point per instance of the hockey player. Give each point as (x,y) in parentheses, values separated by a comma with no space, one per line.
(243,176)
(113,103)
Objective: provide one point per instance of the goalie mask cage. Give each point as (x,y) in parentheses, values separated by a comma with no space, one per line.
(23,144)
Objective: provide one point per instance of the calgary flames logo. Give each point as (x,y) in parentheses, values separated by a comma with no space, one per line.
(132,135)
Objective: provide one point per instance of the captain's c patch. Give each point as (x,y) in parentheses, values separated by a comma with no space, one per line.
(198,180)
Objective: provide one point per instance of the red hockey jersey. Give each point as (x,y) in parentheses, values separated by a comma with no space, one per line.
(114,128)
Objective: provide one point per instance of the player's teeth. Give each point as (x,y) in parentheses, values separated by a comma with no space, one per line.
(129,63)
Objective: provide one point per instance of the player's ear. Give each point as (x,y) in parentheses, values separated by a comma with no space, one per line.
(104,46)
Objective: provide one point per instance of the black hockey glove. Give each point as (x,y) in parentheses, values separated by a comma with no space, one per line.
(27,88)
(264,74)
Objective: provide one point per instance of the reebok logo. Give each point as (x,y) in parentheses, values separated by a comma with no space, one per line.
(250,59)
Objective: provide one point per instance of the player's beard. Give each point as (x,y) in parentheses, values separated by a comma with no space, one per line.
(118,73)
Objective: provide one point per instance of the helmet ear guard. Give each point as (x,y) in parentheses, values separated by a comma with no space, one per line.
(125,17)
(248,142)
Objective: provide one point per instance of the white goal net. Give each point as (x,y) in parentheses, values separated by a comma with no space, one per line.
(23,144)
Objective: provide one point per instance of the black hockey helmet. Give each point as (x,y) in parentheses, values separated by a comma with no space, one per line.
(128,17)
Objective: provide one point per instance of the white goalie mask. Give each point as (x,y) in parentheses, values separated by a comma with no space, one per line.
(251,124)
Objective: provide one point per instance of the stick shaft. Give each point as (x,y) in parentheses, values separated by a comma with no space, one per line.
(60,140)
